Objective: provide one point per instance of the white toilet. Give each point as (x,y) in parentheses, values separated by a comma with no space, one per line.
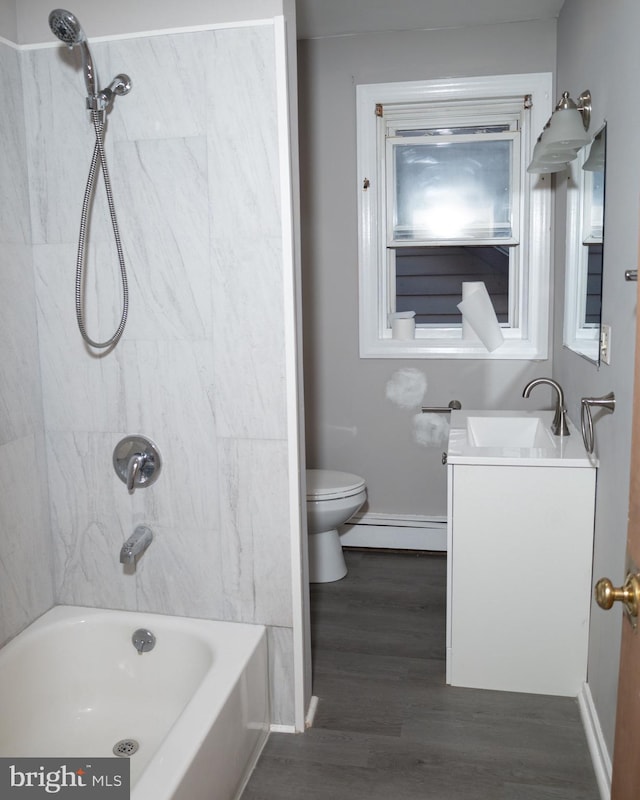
(332,497)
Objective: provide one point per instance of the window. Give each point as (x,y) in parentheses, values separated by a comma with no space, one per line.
(445,198)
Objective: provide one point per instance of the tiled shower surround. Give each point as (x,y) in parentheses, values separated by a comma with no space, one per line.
(200,369)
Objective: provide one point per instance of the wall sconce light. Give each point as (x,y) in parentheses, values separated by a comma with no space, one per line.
(595,162)
(563,135)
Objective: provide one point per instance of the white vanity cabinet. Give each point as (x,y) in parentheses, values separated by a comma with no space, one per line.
(520,539)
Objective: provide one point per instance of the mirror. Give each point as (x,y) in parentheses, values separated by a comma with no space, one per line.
(584,250)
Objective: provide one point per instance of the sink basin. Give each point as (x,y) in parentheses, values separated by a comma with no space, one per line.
(513,438)
(511,431)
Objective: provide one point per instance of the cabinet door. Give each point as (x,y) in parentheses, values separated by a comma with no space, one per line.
(521,577)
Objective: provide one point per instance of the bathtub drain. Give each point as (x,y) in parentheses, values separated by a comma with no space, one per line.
(125,748)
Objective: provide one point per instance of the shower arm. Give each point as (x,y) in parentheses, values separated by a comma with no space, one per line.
(101,101)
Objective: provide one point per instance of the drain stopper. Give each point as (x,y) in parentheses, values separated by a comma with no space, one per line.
(125,748)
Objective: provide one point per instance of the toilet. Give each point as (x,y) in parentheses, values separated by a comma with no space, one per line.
(332,497)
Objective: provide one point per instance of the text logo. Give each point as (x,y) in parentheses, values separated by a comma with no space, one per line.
(93,779)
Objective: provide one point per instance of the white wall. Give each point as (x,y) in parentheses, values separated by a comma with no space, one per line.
(597,50)
(26,586)
(350,423)
(201,369)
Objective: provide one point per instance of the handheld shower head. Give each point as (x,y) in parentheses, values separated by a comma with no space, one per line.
(67,28)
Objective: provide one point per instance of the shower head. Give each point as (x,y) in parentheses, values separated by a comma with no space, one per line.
(67,28)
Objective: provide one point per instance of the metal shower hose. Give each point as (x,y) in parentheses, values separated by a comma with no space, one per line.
(98,153)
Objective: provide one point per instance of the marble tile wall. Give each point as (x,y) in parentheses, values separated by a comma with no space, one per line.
(193,155)
(26,588)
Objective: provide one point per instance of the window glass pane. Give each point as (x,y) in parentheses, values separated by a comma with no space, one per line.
(593,305)
(594,207)
(452,190)
(429,280)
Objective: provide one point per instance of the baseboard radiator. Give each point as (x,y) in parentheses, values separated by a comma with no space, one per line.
(395,532)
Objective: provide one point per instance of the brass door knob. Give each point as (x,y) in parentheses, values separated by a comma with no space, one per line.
(628,593)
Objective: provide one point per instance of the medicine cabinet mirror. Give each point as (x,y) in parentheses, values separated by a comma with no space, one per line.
(584,249)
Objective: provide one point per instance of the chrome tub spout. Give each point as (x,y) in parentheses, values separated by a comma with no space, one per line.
(137,543)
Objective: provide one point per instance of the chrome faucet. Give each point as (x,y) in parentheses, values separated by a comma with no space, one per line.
(559,425)
(137,543)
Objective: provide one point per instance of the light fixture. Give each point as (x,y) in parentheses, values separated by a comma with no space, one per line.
(595,162)
(563,135)
(547,159)
(569,123)
(537,168)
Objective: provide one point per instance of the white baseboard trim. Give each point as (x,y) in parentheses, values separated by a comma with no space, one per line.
(308,720)
(395,532)
(595,739)
(275,728)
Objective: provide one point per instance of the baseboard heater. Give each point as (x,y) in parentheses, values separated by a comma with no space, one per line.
(395,532)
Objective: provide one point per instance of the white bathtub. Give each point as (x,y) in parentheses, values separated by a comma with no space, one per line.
(72,684)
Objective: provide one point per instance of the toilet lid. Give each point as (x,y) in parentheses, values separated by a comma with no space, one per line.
(328,484)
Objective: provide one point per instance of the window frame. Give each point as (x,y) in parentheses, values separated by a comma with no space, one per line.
(530,282)
(580,336)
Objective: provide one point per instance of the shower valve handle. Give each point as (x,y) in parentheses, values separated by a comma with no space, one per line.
(137,462)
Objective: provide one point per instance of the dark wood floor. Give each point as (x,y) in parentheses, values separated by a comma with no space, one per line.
(387,725)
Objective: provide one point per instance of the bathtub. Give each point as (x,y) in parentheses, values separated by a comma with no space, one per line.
(73,685)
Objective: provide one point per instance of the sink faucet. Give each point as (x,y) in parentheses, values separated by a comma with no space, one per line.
(559,425)
(137,543)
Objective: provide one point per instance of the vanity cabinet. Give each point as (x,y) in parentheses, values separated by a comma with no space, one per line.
(520,539)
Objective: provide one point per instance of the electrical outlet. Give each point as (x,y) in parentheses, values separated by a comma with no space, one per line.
(605,344)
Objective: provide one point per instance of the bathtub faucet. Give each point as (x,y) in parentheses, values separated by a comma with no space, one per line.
(137,543)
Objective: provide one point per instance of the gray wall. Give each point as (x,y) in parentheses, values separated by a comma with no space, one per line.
(26,585)
(200,369)
(597,50)
(8,20)
(350,423)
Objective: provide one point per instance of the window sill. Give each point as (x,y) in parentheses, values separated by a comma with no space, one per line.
(514,349)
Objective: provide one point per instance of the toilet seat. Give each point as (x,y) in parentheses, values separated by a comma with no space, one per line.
(329,484)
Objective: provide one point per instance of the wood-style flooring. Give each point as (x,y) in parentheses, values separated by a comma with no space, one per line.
(389,728)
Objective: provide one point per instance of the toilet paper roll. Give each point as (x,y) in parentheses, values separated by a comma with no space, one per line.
(479,316)
(403,325)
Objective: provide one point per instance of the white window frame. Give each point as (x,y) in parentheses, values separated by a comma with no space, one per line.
(529,339)
(583,338)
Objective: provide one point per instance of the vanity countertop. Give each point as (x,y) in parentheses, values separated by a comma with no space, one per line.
(562,451)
